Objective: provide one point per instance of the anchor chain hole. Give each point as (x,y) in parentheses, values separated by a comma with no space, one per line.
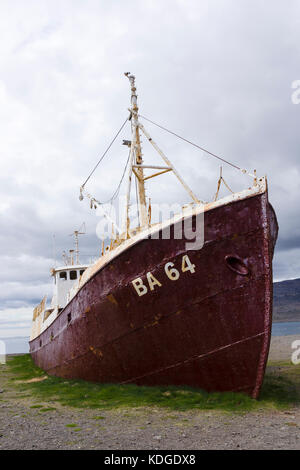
(236,264)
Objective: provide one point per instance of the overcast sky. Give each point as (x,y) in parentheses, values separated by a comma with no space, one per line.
(219,72)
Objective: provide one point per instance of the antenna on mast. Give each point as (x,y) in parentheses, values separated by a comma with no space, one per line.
(76,233)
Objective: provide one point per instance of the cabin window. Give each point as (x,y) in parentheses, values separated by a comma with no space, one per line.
(40,343)
(63,275)
(82,271)
(73,275)
(69,317)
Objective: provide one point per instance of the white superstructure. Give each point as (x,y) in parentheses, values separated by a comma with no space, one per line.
(66,280)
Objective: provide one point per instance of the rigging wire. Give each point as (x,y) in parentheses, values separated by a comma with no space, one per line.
(195,145)
(115,194)
(122,178)
(103,155)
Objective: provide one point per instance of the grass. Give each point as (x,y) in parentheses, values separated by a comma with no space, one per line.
(74,427)
(281,390)
(45,410)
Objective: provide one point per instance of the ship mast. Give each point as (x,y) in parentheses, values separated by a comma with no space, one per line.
(137,160)
(136,163)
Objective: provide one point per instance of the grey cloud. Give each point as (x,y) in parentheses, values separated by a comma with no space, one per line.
(216,72)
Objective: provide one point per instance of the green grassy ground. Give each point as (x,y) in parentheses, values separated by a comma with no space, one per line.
(281,390)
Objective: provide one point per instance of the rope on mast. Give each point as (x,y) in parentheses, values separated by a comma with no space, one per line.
(198,146)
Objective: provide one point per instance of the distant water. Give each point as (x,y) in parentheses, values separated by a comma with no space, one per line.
(286,328)
(16,345)
(19,344)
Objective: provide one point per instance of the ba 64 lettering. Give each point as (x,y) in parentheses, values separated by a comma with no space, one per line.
(171,272)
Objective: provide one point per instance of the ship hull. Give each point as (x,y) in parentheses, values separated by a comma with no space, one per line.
(209,328)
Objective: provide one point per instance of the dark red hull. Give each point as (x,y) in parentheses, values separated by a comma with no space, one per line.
(208,329)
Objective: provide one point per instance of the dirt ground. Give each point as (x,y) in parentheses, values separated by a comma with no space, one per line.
(22,427)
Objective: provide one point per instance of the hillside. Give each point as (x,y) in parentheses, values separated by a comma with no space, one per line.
(287,300)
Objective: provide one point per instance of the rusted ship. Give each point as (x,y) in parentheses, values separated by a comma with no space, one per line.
(158,309)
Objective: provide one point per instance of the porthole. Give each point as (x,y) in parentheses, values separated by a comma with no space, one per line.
(237,265)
